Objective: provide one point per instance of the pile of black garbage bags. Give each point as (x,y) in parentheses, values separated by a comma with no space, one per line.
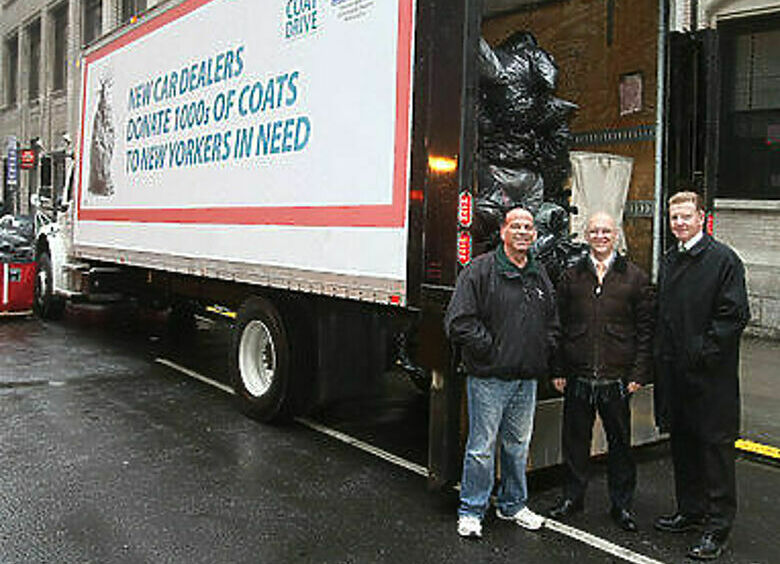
(523,150)
(17,236)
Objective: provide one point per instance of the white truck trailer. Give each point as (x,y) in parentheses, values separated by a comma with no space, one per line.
(308,164)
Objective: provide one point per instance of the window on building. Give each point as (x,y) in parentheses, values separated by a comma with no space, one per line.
(132,8)
(750,131)
(92,21)
(34,60)
(59,25)
(11,70)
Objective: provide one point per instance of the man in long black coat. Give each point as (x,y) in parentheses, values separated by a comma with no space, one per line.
(703,309)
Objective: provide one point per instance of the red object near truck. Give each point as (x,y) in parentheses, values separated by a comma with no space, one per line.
(17,281)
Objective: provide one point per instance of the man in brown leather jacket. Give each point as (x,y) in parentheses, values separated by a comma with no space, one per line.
(606,307)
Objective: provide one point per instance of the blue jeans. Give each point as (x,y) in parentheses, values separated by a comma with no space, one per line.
(497,409)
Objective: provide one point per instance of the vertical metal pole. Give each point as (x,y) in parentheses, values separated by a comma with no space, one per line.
(660,135)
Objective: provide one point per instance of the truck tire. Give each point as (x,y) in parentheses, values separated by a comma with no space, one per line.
(46,305)
(260,361)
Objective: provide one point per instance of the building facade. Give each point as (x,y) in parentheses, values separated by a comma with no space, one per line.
(735,154)
(40,47)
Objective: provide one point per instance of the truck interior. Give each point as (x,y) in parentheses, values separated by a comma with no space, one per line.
(601,100)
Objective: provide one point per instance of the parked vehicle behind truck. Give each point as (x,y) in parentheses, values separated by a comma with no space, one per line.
(309,166)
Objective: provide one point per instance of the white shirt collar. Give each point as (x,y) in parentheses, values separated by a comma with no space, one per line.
(688,245)
(608,262)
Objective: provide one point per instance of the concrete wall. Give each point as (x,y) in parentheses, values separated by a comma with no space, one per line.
(751,228)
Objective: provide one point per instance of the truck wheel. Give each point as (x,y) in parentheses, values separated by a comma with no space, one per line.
(260,361)
(45,304)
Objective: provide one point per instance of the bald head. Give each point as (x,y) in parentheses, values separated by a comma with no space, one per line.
(516,213)
(601,235)
(518,234)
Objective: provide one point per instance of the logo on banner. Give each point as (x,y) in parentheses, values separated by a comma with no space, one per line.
(301,18)
(348,10)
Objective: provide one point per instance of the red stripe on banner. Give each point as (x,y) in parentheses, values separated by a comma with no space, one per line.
(402,104)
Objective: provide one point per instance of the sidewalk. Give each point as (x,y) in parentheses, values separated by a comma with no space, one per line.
(759,369)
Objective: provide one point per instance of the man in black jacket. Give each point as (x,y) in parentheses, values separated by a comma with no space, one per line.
(606,310)
(703,309)
(502,315)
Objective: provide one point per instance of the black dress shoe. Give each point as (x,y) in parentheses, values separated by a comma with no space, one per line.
(678,523)
(710,547)
(624,519)
(565,508)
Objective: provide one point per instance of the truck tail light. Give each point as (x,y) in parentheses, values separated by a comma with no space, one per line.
(464,248)
(709,223)
(465,209)
(442,164)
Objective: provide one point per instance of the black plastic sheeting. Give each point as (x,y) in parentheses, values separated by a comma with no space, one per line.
(523,151)
(17,236)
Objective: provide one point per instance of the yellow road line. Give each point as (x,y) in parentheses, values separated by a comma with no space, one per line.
(757,448)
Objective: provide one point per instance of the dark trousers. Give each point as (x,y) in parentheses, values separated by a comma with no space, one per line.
(704,478)
(581,403)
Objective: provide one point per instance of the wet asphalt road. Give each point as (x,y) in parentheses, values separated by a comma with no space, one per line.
(109,456)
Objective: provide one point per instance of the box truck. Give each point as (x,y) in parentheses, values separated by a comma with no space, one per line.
(310,166)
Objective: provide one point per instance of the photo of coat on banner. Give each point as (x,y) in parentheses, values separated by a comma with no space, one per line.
(102,146)
(233,112)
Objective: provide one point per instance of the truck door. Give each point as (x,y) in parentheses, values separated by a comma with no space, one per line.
(442,169)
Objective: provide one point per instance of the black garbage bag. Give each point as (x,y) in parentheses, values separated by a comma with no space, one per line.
(545,68)
(516,66)
(556,176)
(523,147)
(524,61)
(510,105)
(551,112)
(551,219)
(518,187)
(517,150)
(554,246)
(490,67)
(489,210)
(559,253)
(555,143)
(485,123)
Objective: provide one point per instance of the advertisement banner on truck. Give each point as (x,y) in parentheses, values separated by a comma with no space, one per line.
(273,133)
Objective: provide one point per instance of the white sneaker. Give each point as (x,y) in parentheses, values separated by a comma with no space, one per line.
(469,526)
(525,518)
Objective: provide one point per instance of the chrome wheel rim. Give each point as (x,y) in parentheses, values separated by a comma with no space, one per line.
(257,358)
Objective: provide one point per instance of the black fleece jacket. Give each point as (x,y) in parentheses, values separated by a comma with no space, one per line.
(504,318)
